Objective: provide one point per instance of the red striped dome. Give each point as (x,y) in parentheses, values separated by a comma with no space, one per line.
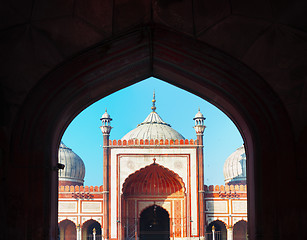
(153,180)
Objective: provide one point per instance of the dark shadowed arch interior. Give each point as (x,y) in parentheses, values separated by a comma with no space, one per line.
(87,229)
(67,230)
(240,230)
(220,232)
(122,61)
(154,224)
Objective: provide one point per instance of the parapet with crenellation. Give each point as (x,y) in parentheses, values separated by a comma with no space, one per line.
(153,142)
(68,188)
(226,191)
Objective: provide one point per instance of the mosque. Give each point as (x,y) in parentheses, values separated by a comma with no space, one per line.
(153,188)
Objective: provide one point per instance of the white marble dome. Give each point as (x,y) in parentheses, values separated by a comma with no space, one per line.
(235,167)
(74,170)
(153,127)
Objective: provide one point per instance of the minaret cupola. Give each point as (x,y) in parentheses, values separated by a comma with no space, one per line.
(106,123)
(199,122)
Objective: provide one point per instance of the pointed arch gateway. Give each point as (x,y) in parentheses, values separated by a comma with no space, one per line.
(153,180)
(154,223)
(122,61)
(148,200)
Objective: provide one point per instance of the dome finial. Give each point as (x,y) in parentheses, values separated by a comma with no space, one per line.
(153,108)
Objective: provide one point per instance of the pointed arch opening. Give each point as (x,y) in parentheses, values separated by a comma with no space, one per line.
(147,199)
(120,62)
(154,180)
(216,230)
(67,230)
(91,228)
(240,230)
(154,224)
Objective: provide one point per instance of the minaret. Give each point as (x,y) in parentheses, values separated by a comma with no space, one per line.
(200,128)
(106,129)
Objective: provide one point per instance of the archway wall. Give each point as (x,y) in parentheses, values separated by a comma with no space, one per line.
(120,62)
(220,230)
(87,229)
(137,197)
(240,230)
(67,230)
(166,182)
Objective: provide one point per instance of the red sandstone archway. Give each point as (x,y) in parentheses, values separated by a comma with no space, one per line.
(120,62)
(87,230)
(152,185)
(240,230)
(220,230)
(153,180)
(67,230)
(154,224)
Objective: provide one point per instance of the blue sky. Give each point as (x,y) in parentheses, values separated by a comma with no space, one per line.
(130,106)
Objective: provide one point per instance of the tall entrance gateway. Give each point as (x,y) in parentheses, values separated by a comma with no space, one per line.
(154,224)
(153,181)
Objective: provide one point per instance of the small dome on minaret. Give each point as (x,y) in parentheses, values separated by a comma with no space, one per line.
(199,122)
(105,116)
(74,170)
(106,123)
(199,115)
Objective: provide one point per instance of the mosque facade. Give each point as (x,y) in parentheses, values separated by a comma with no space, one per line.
(153,188)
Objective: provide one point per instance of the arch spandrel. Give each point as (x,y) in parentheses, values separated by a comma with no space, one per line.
(70,219)
(223,220)
(84,220)
(237,220)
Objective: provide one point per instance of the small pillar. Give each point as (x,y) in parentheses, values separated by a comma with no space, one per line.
(94,234)
(230,233)
(78,232)
(213,232)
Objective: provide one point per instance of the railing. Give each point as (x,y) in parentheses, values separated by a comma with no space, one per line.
(97,237)
(217,236)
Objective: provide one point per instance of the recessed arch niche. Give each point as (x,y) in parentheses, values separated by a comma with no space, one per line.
(123,61)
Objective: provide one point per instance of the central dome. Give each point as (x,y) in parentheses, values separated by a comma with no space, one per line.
(153,127)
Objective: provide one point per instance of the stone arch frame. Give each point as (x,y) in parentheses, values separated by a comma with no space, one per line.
(123,61)
(132,175)
(219,220)
(235,224)
(223,224)
(165,209)
(154,199)
(145,208)
(70,221)
(239,220)
(84,224)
